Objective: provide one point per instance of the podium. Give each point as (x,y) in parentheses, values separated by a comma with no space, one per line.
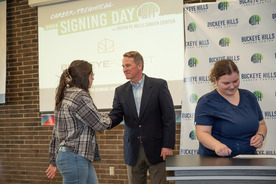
(203,169)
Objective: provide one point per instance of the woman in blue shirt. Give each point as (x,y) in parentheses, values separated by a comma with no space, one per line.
(228,120)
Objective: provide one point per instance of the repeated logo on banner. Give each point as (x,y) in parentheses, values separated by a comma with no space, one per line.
(243,31)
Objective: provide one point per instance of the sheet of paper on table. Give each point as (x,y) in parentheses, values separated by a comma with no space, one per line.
(255,156)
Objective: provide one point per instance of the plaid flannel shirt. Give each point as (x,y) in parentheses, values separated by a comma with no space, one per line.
(75,126)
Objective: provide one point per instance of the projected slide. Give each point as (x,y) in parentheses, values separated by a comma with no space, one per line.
(100,32)
(3,46)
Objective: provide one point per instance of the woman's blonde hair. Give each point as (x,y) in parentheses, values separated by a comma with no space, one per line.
(223,67)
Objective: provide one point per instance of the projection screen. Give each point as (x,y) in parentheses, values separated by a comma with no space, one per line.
(100,32)
(3,46)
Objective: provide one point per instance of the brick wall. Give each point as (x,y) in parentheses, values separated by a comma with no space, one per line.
(23,141)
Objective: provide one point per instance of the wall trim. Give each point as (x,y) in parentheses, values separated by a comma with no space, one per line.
(36,3)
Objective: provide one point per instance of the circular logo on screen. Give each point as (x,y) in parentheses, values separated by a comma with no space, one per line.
(148,10)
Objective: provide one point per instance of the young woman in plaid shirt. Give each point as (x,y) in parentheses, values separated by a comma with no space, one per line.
(74,147)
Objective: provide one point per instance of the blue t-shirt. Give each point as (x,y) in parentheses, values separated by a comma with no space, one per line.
(232,125)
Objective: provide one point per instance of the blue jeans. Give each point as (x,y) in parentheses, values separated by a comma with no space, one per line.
(74,168)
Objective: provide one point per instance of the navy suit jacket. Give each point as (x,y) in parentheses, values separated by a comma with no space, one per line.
(155,124)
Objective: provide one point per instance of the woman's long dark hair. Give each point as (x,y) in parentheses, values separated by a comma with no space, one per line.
(77,75)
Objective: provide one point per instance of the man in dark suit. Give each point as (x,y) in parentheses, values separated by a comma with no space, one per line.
(145,104)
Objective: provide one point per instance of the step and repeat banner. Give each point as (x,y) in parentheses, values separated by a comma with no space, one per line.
(243,31)
(3,44)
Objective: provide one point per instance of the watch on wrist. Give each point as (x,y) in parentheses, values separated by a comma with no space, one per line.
(261,136)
